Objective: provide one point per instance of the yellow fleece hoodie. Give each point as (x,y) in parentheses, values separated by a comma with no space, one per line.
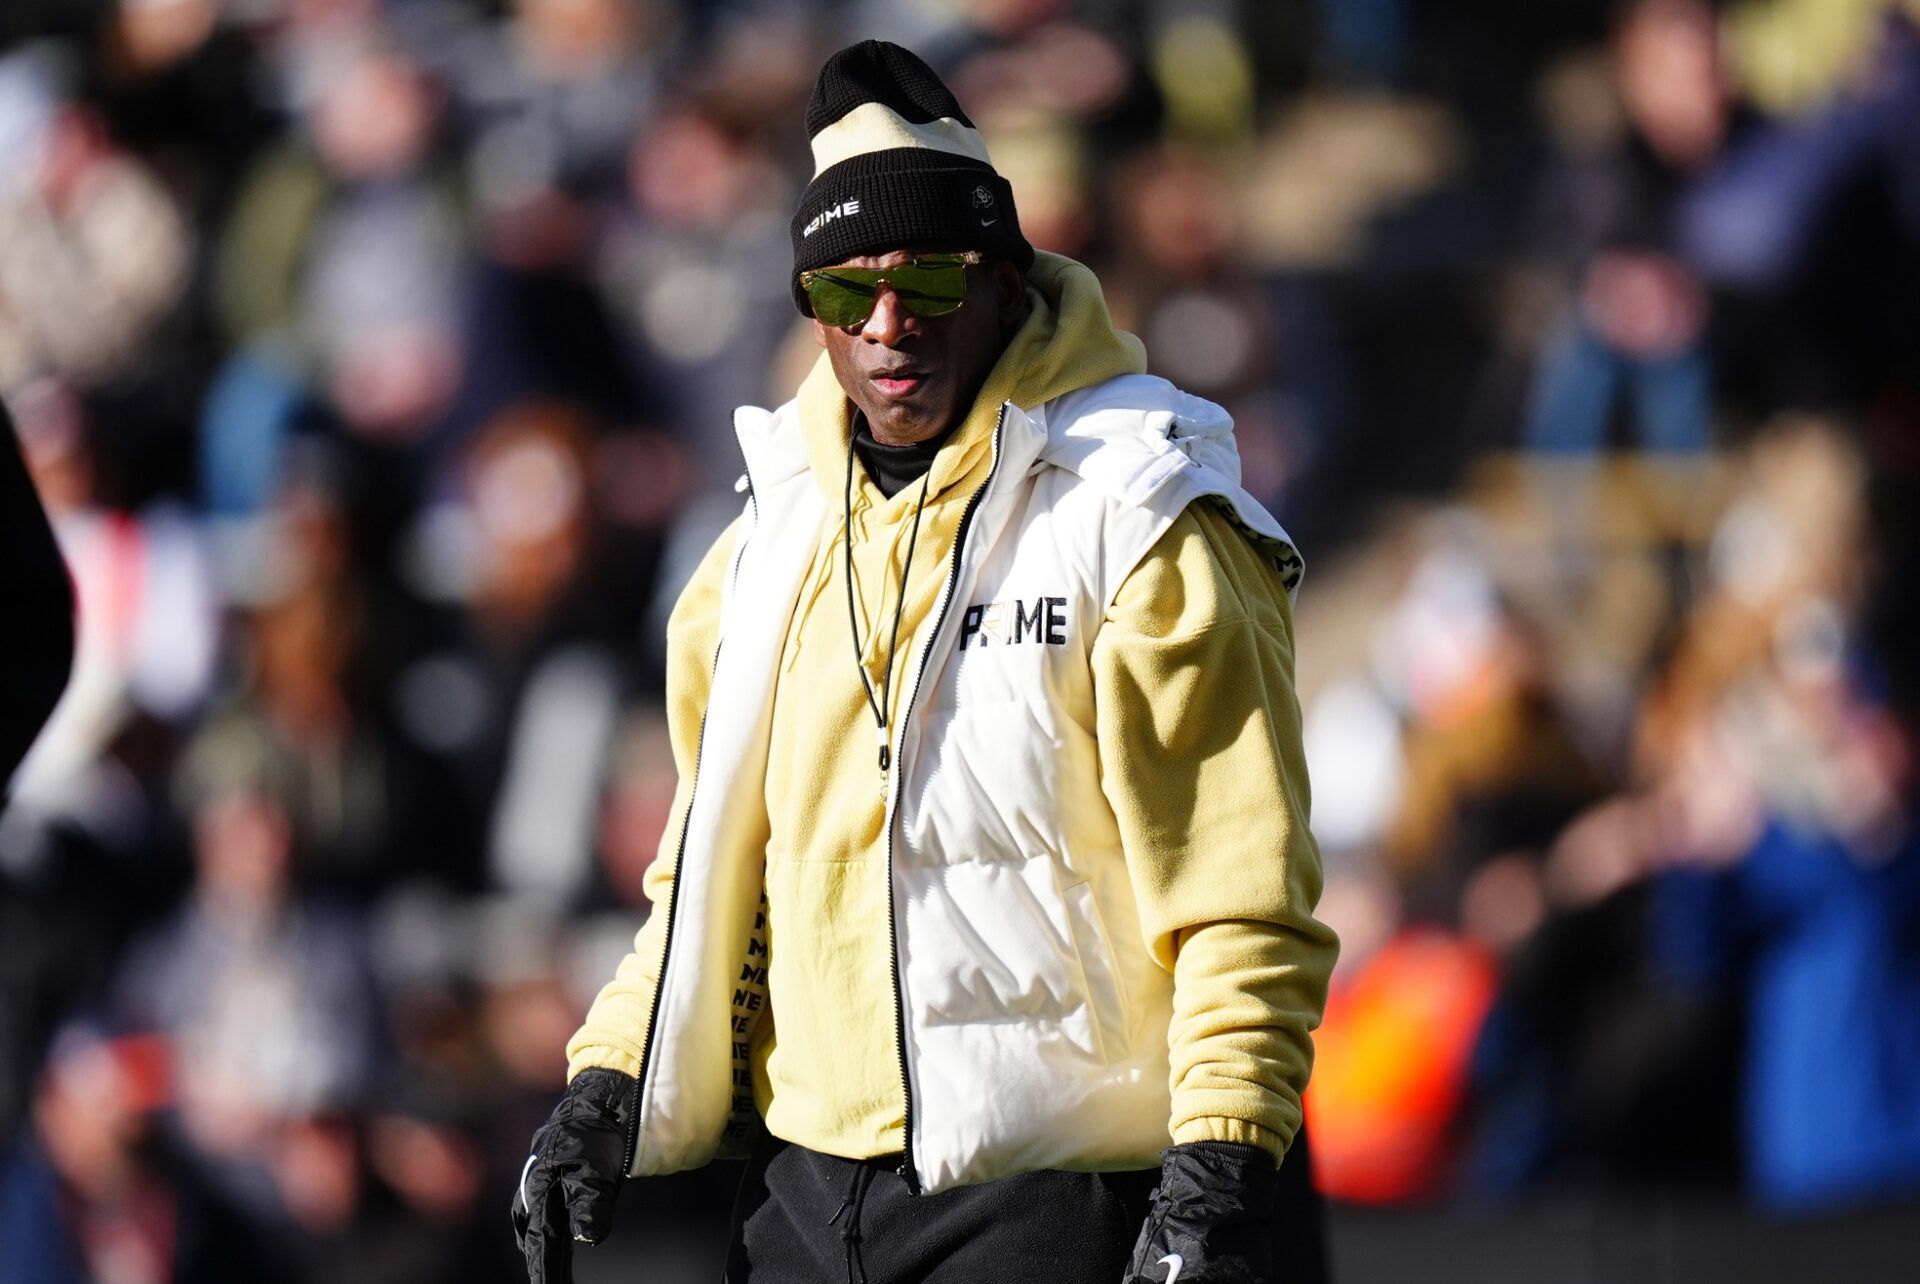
(1198,720)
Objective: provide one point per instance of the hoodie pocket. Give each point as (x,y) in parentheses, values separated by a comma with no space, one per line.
(1098,964)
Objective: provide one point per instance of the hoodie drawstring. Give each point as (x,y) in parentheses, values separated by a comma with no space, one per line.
(850,1233)
(882,703)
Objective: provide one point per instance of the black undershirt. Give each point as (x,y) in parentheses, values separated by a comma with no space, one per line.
(894,468)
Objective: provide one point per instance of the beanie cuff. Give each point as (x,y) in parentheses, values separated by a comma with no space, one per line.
(904,199)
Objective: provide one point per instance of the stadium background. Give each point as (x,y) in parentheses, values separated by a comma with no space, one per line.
(375,360)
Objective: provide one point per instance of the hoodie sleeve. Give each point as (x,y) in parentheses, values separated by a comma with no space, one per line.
(1201,758)
(614,1034)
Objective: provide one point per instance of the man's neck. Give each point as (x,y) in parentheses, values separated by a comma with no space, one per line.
(896,443)
(895,466)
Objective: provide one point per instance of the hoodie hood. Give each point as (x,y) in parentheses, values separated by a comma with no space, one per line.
(1067,342)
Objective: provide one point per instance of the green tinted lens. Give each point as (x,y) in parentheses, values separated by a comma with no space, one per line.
(930,288)
(927,288)
(838,299)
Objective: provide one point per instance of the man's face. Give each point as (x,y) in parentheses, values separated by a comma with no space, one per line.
(913,376)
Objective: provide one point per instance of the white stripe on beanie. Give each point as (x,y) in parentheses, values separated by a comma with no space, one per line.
(875,127)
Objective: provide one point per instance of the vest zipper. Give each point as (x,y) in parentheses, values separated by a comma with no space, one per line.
(907,1170)
(680,850)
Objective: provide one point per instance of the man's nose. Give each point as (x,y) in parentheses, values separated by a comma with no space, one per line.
(890,320)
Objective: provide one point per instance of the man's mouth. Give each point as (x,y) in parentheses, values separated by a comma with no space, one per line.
(899,383)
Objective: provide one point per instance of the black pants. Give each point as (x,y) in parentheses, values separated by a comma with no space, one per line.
(807,1218)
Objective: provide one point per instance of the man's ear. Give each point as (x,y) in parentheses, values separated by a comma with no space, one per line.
(819,331)
(1009,291)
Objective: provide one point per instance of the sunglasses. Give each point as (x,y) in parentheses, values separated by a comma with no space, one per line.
(932,285)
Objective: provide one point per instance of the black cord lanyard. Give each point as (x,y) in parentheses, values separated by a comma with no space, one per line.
(881,705)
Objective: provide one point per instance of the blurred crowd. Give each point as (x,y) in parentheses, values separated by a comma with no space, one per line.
(375,360)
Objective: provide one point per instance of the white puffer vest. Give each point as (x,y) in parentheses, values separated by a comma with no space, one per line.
(1032,1022)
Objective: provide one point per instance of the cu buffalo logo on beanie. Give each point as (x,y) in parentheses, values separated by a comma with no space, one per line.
(983,206)
(897,165)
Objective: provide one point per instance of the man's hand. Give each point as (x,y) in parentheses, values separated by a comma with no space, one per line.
(566,1189)
(1212,1218)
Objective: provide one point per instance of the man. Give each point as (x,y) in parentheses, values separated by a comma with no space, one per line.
(989,874)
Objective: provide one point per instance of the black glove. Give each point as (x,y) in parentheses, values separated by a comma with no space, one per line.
(1213,1211)
(566,1189)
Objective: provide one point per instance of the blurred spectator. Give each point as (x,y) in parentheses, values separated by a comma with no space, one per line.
(1826,1114)
(93,253)
(1798,888)
(95,1192)
(1491,768)
(1638,319)
(696,266)
(266,1001)
(560,86)
(1204,321)
(350,242)
(516,705)
(301,713)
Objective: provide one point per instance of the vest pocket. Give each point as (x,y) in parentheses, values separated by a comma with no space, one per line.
(1101,968)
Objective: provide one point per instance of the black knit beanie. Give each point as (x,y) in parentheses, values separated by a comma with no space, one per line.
(897,165)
